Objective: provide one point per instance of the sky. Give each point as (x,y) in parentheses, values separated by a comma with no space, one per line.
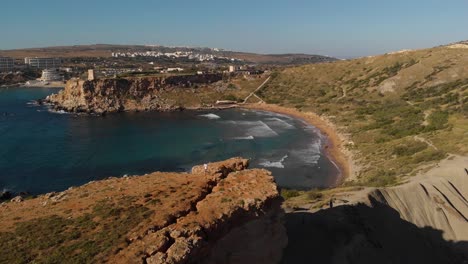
(346,28)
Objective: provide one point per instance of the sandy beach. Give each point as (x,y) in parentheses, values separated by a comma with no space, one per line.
(334,148)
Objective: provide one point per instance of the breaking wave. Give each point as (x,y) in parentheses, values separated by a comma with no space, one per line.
(309,155)
(211,116)
(278,123)
(243,138)
(254,128)
(274,164)
(61,112)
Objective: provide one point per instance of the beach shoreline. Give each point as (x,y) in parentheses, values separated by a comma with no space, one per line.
(334,148)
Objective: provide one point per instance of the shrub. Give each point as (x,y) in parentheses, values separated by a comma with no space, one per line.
(409,148)
(382,178)
(230,97)
(314,194)
(289,193)
(437,120)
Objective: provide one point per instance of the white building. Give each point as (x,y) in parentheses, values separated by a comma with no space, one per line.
(6,64)
(232,68)
(43,63)
(49,75)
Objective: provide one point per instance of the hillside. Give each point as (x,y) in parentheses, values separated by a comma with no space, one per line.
(397,111)
(105,50)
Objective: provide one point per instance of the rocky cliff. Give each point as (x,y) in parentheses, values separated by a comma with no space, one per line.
(128,94)
(224,214)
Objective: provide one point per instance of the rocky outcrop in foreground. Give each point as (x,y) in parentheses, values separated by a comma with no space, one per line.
(128,94)
(225,214)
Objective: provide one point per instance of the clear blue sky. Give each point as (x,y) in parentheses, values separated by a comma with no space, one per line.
(343,28)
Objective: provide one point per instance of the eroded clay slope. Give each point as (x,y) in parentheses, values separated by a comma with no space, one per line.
(437,199)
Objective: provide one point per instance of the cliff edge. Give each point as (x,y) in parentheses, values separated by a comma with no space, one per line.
(224,214)
(130,94)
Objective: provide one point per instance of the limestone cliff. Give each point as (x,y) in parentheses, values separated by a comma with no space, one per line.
(128,94)
(224,214)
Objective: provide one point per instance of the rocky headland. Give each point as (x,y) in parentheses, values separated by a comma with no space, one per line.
(131,94)
(224,214)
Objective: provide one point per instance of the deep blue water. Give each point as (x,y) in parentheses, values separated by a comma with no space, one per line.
(42,151)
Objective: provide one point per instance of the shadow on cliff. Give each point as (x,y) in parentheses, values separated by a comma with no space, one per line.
(363,234)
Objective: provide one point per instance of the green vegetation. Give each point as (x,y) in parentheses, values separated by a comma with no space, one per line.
(314,194)
(383,103)
(409,147)
(231,97)
(289,193)
(77,240)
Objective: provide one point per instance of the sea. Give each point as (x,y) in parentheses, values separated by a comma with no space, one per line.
(43,151)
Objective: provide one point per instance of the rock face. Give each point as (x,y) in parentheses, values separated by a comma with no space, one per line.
(126,94)
(221,214)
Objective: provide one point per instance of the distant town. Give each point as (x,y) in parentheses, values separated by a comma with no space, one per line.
(43,70)
(38,67)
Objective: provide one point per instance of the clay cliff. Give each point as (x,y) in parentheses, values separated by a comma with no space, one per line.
(129,94)
(225,214)
(421,221)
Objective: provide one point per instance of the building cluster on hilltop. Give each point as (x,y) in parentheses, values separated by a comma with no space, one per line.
(57,69)
(177,54)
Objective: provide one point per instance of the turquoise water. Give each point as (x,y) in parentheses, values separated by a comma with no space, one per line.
(42,151)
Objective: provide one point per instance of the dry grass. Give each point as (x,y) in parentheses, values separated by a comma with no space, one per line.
(382,102)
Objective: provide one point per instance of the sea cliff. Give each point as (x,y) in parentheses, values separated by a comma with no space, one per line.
(130,94)
(225,213)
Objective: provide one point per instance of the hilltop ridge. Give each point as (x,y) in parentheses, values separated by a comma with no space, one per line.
(106,50)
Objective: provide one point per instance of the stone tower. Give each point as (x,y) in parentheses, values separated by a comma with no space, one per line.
(90,75)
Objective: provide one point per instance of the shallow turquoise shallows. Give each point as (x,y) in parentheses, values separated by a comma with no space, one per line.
(42,151)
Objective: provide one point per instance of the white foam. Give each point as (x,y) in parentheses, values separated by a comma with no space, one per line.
(274,164)
(276,122)
(211,116)
(243,138)
(272,114)
(61,112)
(254,128)
(35,103)
(309,155)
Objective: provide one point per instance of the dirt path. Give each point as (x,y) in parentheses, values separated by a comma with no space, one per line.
(256,90)
(419,138)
